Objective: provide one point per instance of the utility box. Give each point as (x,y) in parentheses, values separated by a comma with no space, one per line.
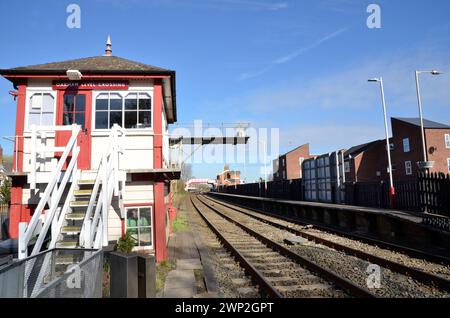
(146,276)
(124,275)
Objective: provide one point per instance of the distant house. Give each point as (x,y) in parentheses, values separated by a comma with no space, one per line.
(228,177)
(367,162)
(407,146)
(289,165)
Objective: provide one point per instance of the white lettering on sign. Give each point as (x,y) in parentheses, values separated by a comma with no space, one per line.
(92,85)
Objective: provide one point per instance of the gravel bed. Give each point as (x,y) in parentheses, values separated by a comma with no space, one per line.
(354,269)
(224,274)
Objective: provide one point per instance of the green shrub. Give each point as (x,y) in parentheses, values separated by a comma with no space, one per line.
(5,192)
(126,243)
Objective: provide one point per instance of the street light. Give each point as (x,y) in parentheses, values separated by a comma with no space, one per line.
(425,164)
(388,147)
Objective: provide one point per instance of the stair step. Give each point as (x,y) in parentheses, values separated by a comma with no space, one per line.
(67,244)
(79,204)
(86,182)
(82,193)
(65,260)
(75,216)
(71,229)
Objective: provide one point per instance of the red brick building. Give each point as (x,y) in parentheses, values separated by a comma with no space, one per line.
(407,146)
(367,162)
(228,177)
(289,165)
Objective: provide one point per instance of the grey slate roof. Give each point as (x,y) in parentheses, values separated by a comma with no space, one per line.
(426,123)
(96,64)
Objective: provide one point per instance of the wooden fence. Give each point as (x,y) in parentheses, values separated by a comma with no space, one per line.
(376,195)
(429,193)
(434,192)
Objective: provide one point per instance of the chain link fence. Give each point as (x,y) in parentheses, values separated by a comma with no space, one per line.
(57,273)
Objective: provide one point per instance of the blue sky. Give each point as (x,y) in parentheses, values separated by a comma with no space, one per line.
(300,66)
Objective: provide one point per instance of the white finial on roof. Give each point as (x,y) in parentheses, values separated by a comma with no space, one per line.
(108,51)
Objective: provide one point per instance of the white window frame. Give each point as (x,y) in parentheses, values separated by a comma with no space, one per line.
(406,149)
(347,166)
(30,92)
(408,168)
(447,141)
(136,247)
(448,164)
(123,94)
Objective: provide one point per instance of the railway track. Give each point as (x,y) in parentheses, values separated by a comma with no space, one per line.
(286,225)
(277,271)
(432,257)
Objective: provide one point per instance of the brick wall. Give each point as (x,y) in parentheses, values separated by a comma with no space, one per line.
(436,149)
(400,131)
(370,162)
(289,165)
(293,168)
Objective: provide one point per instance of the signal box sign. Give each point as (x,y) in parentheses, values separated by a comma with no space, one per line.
(97,85)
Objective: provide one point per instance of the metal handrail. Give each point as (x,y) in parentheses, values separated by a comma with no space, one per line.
(108,168)
(51,195)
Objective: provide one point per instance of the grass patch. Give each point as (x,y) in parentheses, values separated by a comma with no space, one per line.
(180,224)
(162,269)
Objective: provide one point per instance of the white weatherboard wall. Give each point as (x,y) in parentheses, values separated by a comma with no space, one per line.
(138,150)
(138,192)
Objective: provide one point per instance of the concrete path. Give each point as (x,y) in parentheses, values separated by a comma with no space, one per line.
(187,250)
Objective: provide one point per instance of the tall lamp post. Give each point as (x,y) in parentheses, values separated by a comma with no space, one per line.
(425,164)
(388,147)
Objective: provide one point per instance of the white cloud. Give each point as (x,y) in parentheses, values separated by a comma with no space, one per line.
(348,89)
(289,57)
(339,109)
(329,136)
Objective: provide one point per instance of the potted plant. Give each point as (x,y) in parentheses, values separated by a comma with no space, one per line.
(124,276)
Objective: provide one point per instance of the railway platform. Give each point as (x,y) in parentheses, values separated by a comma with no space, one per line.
(193,276)
(379,225)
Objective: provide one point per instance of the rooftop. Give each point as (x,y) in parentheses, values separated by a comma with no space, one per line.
(426,123)
(102,65)
(95,64)
(356,150)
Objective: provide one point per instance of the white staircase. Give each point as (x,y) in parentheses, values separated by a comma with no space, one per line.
(77,202)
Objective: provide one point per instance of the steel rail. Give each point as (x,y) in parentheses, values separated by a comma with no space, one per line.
(340,281)
(256,275)
(417,274)
(369,240)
